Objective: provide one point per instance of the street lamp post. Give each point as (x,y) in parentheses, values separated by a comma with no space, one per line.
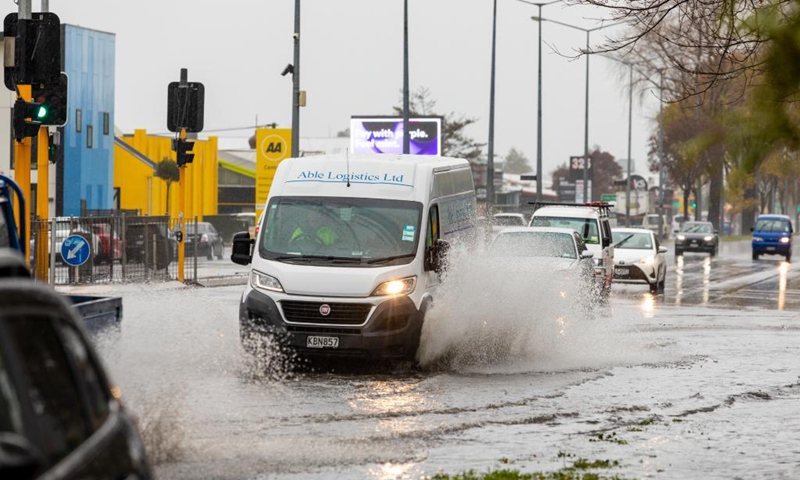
(630,132)
(539,173)
(406,93)
(490,159)
(296,84)
(588,31)
(661,155)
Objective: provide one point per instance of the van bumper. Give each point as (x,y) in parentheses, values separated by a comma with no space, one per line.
(772,248)
(392,331)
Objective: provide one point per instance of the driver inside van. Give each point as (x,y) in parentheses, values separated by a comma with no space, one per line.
(323,235)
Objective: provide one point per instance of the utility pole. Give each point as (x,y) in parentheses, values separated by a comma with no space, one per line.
(660,209)
(630,131)
(406,92)
(586,129)
(296,84)
(490,160)
(539,117)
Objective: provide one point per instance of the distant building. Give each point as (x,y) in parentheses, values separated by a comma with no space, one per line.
(85,174)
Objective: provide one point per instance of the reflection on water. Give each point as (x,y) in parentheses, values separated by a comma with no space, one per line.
(678,280)
(392,471)
(648,305)
(387,398)
(783,270)
(706,279)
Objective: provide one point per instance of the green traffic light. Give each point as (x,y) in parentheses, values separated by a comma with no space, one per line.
(42,112)
(694,205)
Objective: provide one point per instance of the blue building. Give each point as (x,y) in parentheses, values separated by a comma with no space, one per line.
(85,172)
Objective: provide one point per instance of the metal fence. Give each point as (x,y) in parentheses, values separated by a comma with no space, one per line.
(122,249)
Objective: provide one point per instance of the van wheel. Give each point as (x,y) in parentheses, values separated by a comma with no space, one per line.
(789,257)
(755,256)
(654,288)
(662,285)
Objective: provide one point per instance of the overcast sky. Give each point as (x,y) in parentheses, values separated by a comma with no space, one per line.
(352,65)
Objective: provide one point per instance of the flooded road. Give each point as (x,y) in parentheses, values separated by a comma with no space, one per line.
(702,382)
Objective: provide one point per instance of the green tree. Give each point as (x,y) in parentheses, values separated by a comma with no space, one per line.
(455,142)
(516,162)
(168,171)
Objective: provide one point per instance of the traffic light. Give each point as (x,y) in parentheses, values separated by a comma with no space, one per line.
(27,118)
(53,98)
(694,204)
(183,151)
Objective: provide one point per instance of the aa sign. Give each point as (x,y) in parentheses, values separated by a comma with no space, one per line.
(273,145)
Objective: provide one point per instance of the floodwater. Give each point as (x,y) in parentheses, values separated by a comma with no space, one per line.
(702,382)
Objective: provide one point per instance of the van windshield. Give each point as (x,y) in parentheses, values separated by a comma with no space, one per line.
(772,225)
(341,231)
(586,227)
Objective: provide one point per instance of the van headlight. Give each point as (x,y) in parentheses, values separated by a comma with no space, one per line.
(708,238)
(262,281)
(681,237)
(403,286)
(784,239)
(758,239)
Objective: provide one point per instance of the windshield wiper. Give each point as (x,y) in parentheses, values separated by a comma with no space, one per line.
(389,259)
(623,240)
(324,258)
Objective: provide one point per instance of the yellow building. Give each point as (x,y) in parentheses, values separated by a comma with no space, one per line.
(135,159)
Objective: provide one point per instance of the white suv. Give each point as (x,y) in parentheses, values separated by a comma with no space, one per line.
(592,224)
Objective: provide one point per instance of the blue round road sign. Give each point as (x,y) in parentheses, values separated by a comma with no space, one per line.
(75,250)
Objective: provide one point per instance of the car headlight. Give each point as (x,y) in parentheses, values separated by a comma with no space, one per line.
(784,239)
(681,237)
(647,260)
(708,238)
(758,239)
(263,281)
(403,286)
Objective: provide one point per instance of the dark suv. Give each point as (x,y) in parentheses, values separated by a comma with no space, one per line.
(696,237)
(59,415)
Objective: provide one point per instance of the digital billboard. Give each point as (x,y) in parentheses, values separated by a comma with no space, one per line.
(385,135)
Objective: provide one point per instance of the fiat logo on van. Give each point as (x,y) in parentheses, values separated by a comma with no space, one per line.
(325,310)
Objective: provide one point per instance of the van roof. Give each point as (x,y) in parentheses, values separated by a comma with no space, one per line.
(401,177)
(568,212)
(507,230)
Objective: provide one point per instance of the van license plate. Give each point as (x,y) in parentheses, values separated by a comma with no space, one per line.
(621,271)
(322,342)
(770,249)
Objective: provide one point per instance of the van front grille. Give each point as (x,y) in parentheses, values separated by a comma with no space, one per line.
(338,313)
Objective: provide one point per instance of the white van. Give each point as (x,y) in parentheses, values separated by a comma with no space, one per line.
(591,222)
(346,259)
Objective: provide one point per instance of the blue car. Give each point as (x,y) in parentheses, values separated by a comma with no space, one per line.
(772,235)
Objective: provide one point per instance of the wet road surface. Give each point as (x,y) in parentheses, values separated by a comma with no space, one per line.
(701,382)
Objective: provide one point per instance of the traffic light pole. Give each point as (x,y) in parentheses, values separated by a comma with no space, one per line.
(22,168)
(42,203)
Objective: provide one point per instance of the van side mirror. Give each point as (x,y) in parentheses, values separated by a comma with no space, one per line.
(663,250)
(20,459)
(436,256)
(242,250)
(587,254)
